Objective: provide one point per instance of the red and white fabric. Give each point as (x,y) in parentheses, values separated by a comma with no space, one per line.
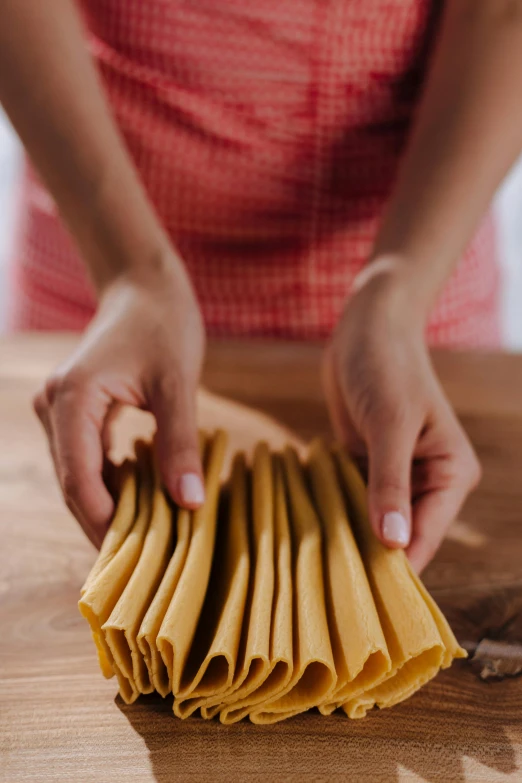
(268,136)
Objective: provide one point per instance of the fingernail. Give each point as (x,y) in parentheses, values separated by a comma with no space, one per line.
(191,489)
(395,528)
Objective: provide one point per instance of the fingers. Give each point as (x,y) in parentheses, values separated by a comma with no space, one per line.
(432,515)
(383,396)
(389,442)
(72,414)
(449,481)
(173,404)
(390,451)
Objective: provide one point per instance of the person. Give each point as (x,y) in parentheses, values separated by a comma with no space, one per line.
(295,169)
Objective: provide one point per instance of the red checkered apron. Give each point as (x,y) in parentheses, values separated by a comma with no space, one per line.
(267,135)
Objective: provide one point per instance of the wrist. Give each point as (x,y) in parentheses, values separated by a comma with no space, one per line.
(119,233)
(158,271)
(160,276)
(390,283)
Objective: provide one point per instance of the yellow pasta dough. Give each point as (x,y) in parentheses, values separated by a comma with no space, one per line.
(418,637)
(121,628)
(121,523)
(280,657)
(254,652)
(215,648)
(150,627)
(314,676)
(179,625)
(272,598)
(103,591)
(359,647)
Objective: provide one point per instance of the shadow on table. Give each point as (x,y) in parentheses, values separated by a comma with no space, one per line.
(426,736)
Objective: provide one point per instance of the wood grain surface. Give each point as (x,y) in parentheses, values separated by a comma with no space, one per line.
(60,720)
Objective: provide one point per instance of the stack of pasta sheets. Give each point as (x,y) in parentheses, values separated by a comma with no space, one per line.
(273,598)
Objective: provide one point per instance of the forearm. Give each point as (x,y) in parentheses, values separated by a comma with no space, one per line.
(467,134)
(50,90)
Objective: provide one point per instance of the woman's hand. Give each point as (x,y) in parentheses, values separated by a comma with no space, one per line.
(389,409)
(144,348)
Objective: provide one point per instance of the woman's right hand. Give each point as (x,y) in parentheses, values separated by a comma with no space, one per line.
(144,348)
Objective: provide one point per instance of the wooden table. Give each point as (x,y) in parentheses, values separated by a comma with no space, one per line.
(60,720)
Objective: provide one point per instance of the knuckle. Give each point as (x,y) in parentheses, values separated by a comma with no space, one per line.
(185,453)
(40,404)
(60,385)
(171,384)
(474,470)
(390,485)
(173,401)
(468,467)
(52,388)
(70,505)
(181,453)
(389,421)
(376,411)
(69,489)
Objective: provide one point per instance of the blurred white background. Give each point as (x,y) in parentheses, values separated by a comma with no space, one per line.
(10,156)
(508,205)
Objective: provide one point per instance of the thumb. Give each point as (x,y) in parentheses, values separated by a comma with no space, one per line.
(174,408)
(390,452)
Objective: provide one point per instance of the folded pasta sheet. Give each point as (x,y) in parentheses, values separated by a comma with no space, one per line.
(179,625)
(254,650)
(102,591)
(314,676)
(418,637)
(280,658)
(122,522)
(148,632)
(213,656)
(360,652)
(272,598)
(122,626)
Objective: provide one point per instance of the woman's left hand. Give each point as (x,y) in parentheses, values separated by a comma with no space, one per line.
(390,411)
